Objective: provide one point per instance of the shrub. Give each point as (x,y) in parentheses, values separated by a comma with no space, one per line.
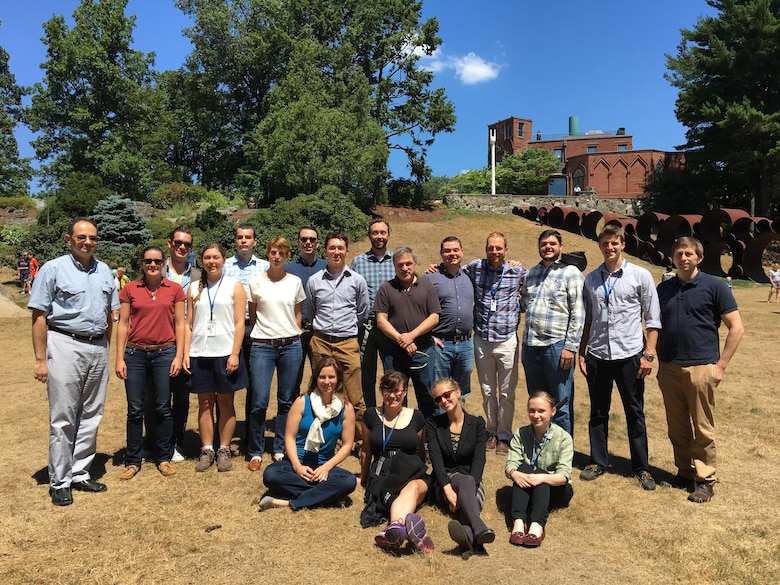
(18,202)
(170,194)
(119,223)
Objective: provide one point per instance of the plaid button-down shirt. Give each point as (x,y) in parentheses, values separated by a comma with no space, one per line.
(375,269)
(554,309)
(496,299)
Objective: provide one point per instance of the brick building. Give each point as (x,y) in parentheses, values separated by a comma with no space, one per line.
(603,162)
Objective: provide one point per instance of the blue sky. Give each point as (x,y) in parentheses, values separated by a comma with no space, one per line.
(601,60)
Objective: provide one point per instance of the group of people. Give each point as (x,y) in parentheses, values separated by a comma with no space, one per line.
(239,319)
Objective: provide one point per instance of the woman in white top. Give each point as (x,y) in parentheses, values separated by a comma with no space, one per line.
(275,305)
(212,353)
(774,283)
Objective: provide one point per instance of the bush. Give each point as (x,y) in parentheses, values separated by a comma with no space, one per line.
(170,194)
(77,196)
(18,202)
(13,235)
(119,223)
(46,241)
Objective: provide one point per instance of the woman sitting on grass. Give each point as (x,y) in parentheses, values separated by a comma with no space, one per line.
(456,441)
(539,465)
(393,469)
(309,475)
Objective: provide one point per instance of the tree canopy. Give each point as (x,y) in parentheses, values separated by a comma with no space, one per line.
(726,69)
(15,172)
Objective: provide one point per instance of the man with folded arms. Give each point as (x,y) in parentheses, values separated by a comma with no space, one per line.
(71,303)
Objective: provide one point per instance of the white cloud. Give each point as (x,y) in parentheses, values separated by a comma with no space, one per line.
(470,69)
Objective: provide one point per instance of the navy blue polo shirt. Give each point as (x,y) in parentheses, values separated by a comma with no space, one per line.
(690,314)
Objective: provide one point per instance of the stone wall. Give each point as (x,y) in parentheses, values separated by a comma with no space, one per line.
(505,203)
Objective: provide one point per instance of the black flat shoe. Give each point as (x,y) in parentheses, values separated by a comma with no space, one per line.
(89,485)
(61,496)
(485,537)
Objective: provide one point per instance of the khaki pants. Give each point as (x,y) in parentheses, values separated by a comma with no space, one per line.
(689,397)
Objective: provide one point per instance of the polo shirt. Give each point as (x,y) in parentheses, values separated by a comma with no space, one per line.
(406,310)
(337,303)
(616,326)
(456,297)
(152,316)
(75,299)
(691,314)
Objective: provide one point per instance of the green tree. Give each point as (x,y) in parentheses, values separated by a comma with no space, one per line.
(471,181)
(526,172)
(119,223)
(726,70)
(96,110)
(244,48)
(76,197)
(15,172)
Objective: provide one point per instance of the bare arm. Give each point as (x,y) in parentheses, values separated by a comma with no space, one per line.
(584,348)
(347,441)
(39,332)
(179,326)
(645,366)
(239,314)
(121,340)
(365,455)
(733,322)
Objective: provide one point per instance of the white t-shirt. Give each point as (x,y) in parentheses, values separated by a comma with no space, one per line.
(276,306)
(215,304)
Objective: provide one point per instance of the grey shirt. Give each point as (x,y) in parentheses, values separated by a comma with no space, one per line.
(337,303)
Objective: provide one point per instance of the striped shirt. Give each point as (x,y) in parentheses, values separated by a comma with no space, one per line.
(554,309)
(496,299)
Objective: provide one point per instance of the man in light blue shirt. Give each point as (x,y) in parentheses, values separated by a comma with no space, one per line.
(337,303)
(71,301)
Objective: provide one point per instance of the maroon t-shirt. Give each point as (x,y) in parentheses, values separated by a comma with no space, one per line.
(151,315)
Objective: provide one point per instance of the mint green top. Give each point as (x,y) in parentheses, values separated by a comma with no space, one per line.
(555,456)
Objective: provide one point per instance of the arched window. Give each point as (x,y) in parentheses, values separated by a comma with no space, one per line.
(659,167)
(578,178)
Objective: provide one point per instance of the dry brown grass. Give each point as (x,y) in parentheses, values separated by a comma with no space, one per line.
(152,529)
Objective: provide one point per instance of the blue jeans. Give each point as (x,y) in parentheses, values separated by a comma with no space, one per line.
(149,371)
(420,369)
(543,372)
(286,360)
(456,361)
(280,479)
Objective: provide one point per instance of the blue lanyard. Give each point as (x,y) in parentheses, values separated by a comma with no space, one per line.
(608,291)
(385,440)
(494,286)
(208,292)
(536,454)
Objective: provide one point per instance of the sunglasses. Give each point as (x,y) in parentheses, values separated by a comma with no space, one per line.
(180,243)
(155,261)
(443,396)
(308,239)
(83,238)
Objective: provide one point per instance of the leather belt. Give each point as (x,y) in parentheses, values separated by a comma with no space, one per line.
(156,347)
(453,337)
(78,336)
(277,342)
(333,338)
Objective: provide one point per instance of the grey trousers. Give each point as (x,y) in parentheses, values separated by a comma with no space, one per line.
(77,380)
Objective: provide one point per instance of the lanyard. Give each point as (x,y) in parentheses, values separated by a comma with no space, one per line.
(211,302)
(536,454)
(384,427)
(604,279)
(495,285)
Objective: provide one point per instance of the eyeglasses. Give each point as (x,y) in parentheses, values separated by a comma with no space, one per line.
(83,238)
(155,261)
(180,243)
(393,391)
(443,396)
(309,239)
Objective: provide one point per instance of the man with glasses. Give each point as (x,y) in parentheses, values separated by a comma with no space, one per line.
(179,269)
(407,309)
(376,266)
(245,267)
(71,303)
(307,264)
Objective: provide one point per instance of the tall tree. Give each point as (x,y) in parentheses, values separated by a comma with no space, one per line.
(97,110)
(526,172)
(726,69)
(15,172)
(243,49)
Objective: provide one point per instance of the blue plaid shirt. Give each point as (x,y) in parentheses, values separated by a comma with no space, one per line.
(499,323)
(245,273)
(375,269)
(554,309)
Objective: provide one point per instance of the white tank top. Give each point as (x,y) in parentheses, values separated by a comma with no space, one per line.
(215,304)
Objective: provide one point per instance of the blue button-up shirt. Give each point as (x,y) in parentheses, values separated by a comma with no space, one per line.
(75,300)
(337,303)
(245,273)
(456,297)
(499,323)
(375,269)
(305,271)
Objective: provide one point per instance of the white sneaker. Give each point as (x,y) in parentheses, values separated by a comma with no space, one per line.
(177,457)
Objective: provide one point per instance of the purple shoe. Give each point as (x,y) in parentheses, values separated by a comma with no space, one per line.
(393,536)
(415,532)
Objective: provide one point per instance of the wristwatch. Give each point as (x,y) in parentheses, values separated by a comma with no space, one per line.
(649,357)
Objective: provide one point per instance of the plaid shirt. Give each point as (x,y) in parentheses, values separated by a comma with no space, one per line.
(554,309)
(245,273)
(375,270)
(502,286)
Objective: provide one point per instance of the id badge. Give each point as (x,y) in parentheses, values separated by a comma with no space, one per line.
(493,305)
(211,328)
(605,313)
